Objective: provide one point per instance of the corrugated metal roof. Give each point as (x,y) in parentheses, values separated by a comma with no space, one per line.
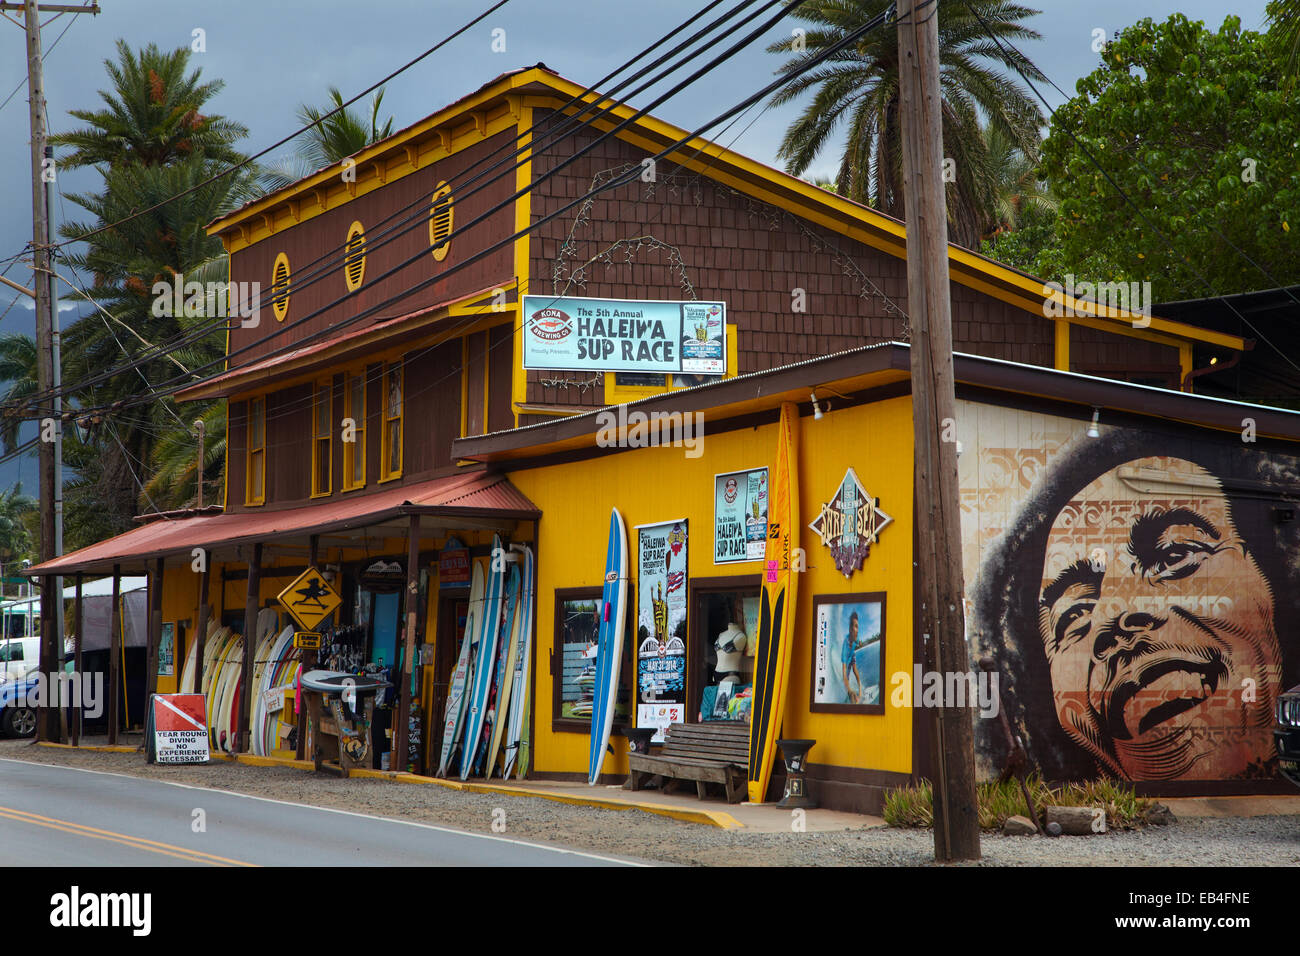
(476,493)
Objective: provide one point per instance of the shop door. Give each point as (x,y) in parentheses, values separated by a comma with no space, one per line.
(452,612)
(383,613)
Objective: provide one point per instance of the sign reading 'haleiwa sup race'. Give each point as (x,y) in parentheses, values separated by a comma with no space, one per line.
(624,335)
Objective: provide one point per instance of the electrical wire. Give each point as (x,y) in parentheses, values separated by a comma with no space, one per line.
(1129,200)
(171,386)
(341,253)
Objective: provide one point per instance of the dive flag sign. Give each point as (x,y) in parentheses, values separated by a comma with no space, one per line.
(177,732)
(310,599)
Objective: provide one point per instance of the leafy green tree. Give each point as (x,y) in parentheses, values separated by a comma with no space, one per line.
(859,87)
(1197,129)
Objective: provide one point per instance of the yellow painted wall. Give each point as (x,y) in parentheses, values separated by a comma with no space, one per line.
(650,485)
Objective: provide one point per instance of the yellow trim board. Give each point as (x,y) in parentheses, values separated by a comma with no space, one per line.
(99,747)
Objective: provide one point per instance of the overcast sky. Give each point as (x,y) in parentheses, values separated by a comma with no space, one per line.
(275,55)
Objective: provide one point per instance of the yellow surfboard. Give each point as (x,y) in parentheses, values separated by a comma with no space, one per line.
(777,607)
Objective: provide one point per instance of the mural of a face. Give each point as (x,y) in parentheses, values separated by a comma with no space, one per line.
(1157,625)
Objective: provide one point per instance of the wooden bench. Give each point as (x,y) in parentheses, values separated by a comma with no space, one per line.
(715,751)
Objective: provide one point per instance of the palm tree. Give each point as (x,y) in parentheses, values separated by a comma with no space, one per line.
(152,116)
(329,138)
(1017,193)
(151,145)
(15,537)
(860,85)
(1284,31)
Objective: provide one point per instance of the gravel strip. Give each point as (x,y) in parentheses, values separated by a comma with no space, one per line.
(1208,841)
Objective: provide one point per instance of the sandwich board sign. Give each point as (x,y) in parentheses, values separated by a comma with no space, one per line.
(177,732)
(310,599)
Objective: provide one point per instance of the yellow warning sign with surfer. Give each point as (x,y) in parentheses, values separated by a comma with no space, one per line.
(310,599)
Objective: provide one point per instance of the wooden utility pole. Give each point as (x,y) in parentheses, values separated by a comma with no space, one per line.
(47,378)
(938,571)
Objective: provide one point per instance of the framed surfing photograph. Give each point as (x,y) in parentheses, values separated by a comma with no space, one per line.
(848,653)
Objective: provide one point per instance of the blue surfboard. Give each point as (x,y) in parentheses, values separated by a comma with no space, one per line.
(609,644)
(508,608)
(484,660)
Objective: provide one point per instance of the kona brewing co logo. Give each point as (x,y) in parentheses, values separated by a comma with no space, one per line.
(850,523)
(551,324)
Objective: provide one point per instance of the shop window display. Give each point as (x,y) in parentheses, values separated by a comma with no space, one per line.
(577,625)
(729,622)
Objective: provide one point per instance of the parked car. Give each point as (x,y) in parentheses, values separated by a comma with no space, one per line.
(1287,734)
(19,655)
(17,719)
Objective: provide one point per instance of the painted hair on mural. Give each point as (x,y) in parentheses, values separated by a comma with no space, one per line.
(1142,609)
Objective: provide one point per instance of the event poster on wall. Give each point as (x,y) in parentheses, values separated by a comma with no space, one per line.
(739,516)
(661,626)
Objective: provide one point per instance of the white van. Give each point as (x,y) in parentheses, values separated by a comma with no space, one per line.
(18,655)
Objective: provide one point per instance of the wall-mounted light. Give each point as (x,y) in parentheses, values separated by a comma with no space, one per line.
(1093,431)
(818,410)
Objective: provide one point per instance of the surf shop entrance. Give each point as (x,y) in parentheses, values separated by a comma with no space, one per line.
(398,562)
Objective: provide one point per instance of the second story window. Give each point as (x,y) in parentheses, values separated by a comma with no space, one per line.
(255,461)
(321,443)
(354,451)
(390,445)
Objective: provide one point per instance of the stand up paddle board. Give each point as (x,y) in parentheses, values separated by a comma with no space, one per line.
(610,645)
(484,658)
(777,607)
(506,667)
(454,717)
(516,722)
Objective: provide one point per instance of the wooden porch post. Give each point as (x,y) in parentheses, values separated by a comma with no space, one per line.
(401,734)
(114,652)
(308,657)
(155,631)
(250,645)
(78,625)
(204,612)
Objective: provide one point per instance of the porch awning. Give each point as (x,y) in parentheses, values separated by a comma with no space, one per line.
(469,497)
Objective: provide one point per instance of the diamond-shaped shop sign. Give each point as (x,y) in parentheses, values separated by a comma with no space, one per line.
(310,599)
(850,523)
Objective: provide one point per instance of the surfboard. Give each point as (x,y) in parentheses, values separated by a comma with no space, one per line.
(453,721)
(776,606)
(505,666)
(610,645)
(484,657)
(516,723)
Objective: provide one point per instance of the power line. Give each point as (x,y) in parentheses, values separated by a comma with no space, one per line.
(1136,208)
(23,81)
(276,145)
(171,385)
(560,130)
(418,220)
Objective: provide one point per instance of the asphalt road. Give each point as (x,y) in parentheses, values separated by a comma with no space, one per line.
(60,816)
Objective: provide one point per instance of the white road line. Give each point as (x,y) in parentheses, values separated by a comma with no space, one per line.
(350,813)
